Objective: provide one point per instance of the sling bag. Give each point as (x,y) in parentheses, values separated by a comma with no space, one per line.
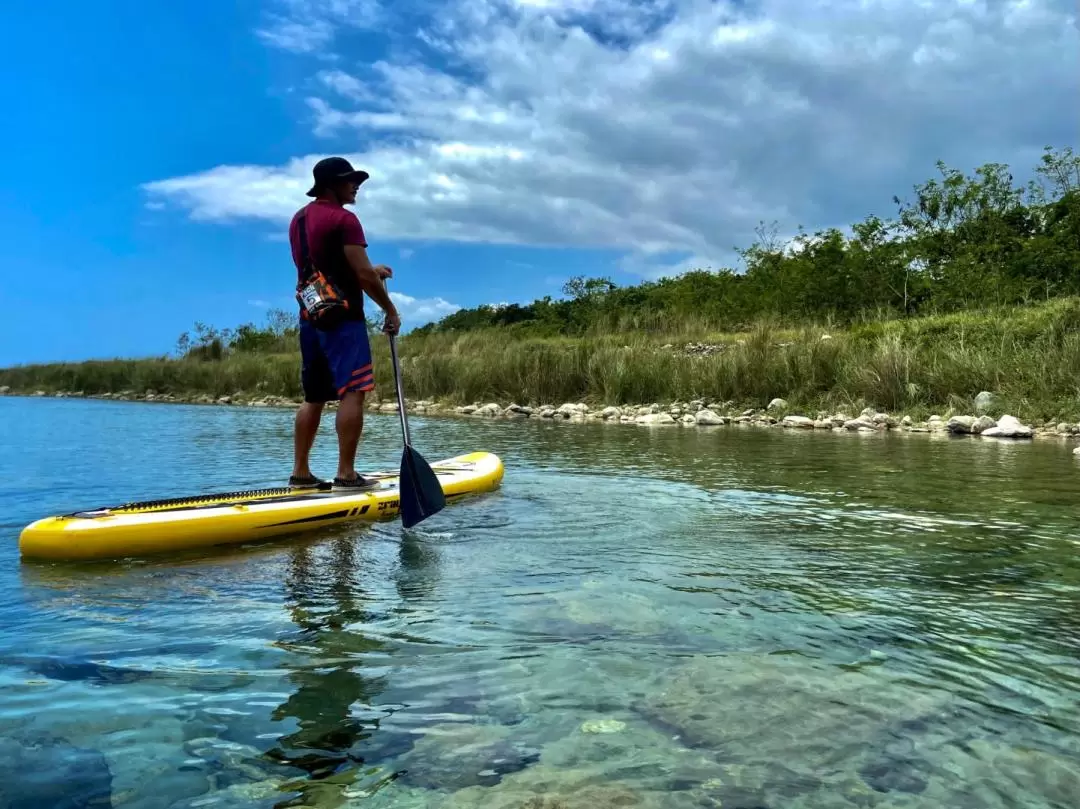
(321,301)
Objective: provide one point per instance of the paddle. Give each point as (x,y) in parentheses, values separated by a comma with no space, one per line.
(421,492)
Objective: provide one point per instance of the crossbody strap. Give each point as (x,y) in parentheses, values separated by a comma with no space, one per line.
(305,257)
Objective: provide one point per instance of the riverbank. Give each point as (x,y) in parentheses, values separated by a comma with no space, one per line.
(699,413)
(1017,361)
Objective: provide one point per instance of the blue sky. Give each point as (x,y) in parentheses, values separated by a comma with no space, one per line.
(154,152)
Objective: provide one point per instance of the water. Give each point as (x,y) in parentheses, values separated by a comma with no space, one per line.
(660,617)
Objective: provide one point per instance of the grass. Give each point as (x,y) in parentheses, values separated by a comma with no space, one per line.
(1029,356)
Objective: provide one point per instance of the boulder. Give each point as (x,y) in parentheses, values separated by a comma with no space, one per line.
(777,404)
(961,425)
(985,401)
(981,424)
(655,418)
(798,422)
(861,425)
(707,418)
(573,409)
(1008,427)
(610,413)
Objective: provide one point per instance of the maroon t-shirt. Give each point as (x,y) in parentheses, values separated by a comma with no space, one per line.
(329,228)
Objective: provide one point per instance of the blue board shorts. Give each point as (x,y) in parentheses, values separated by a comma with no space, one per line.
(334,362)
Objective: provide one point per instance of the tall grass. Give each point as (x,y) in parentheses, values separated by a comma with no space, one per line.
(1029,356)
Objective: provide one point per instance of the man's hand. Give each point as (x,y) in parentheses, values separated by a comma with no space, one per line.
(384,271)
(392,324)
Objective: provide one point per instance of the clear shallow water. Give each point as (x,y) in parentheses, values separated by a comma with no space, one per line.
(640,617)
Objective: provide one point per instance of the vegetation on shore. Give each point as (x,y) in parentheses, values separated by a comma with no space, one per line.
(974,286)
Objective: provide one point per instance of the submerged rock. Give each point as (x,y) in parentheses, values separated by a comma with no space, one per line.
(603,726)
(761,710)
(42,771)
(455,756)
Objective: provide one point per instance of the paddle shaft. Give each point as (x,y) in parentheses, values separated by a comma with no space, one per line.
(397,383)
(400,392)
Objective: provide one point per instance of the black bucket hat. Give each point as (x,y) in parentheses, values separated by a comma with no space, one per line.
(330,170)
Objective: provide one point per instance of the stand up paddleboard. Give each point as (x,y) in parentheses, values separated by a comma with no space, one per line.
(185,523)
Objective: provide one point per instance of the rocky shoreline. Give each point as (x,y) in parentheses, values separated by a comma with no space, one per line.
(697,413)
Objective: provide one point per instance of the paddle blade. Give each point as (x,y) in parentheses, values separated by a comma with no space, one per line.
(421,492)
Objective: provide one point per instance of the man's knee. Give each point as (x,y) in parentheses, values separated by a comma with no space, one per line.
(353,398)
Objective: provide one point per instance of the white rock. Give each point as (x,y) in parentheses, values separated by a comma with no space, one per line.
(603,726)
(1009,427)
(777,404)
(707,417)
(906,421)
(572,409)
(860,424)
(982,424)
(798,422)
(688,419)
(655,418)
(610,413)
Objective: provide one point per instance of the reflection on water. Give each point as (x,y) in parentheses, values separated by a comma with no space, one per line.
(640,617)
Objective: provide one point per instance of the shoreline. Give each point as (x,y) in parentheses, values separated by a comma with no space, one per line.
(700,413)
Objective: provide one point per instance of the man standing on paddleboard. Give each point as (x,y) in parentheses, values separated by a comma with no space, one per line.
(336,360)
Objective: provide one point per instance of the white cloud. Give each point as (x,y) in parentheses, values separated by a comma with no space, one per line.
(309,26)
(668,128)
(419,311)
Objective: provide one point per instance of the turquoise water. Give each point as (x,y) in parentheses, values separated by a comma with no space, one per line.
(640,617)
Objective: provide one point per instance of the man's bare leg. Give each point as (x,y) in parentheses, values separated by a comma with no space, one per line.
(350,425)
(306,425)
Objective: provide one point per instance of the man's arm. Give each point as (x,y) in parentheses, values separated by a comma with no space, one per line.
(369,277)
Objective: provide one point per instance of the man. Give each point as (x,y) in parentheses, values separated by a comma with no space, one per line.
(336,363)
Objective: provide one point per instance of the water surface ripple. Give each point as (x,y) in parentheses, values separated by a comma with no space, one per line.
(641,617)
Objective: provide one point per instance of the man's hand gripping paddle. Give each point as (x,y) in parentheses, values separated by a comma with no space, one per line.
(421,492)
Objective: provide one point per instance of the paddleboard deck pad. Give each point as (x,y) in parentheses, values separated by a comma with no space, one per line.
(160,526)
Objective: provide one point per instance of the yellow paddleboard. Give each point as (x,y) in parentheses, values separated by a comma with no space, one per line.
(161,526)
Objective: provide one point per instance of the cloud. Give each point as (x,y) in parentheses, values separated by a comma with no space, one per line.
(419,311)
(666,129)
(309,26)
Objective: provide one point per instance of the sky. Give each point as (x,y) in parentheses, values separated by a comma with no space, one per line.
(155,152)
